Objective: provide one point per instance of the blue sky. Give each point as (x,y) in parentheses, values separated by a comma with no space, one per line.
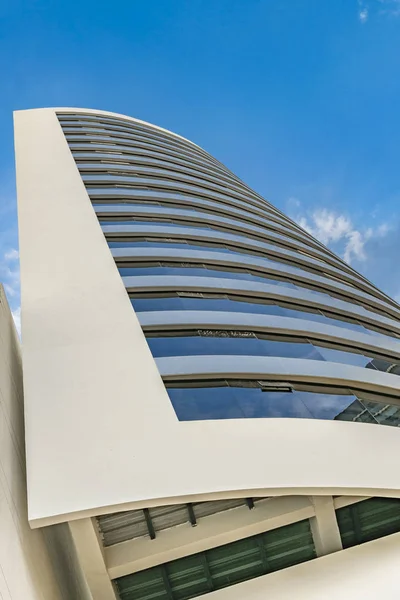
(300,98)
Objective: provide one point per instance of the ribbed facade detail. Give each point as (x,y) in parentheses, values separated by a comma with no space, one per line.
(246,314)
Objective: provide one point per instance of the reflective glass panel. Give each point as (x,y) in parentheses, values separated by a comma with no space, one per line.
(227,305)
(151,223)
(230,402)
(252,346)
(192,404)
(199,272)
(205,246)
(347,358)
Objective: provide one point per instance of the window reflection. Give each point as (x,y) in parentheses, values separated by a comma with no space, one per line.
(236,402)
(190,199)
(249,343)
(193,404)
(116,223)
(201,272)
(180,243)
(225,304)
(246,346)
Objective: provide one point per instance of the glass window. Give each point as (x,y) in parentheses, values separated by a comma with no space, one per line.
(151,223)
(226,304)
(178,243)
(141,193)
(246,346)
(347,358)
(230,401)
(192,404)
(247,343)
(199,272)
(180,246)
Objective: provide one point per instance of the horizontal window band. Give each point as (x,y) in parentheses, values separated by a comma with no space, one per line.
(192,217)
(263,250)
(133,132)
(297,272)
(152,158)
(102,187)
(134,197)
(252,298)
(292,370)
(278,385)
(279,328)
(177,184)
(280,399)
(205,270)
(129,228)
(157,171)
(145,149)
(131,141)
(166,266)
(132,194)
(204,235)
(133,128)
(163,309)
(248,343)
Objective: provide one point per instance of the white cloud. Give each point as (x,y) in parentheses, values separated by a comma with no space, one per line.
(363,11)
(9,272)
(367,9)
(337,230)
(11,255)
(390,7)
(293,202)
(9,277)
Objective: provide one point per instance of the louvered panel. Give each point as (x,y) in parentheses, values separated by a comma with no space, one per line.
(120,527)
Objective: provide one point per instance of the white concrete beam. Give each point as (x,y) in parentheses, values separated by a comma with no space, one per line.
(216,530)
(324,526)
(90,553)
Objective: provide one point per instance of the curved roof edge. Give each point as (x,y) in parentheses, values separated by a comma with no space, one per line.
(105,113)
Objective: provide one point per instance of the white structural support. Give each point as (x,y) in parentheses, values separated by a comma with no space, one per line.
(324,526)
(90,553)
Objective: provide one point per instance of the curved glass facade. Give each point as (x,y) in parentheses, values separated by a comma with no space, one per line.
(214,270)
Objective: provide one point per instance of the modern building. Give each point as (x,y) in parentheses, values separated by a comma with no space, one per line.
(212,396)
